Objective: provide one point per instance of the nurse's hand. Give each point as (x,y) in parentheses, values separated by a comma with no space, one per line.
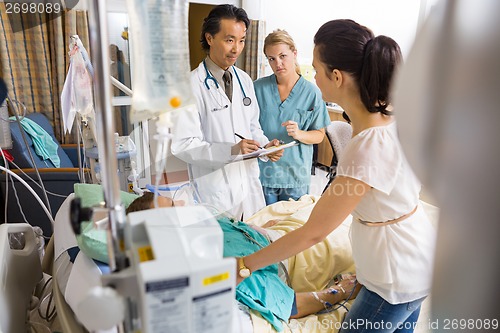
(292,128)
(276,155)
(248,146)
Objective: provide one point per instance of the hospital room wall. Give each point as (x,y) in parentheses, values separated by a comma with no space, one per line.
(397,19)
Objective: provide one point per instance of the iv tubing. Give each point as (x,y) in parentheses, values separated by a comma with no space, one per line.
(23,135)
(6,184)
(32,192)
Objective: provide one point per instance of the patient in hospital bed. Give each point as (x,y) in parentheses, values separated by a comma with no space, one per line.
(242,239)
(332,256)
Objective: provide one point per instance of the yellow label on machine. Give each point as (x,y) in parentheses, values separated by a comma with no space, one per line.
(215,278)
(145,253)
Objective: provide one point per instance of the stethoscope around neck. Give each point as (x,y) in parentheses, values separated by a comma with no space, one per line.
(246,100)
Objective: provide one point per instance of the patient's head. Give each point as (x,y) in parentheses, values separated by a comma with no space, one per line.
(146,201)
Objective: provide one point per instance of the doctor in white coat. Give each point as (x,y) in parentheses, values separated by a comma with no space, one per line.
(227,111)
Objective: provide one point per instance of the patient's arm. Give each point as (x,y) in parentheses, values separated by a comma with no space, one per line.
(328,299)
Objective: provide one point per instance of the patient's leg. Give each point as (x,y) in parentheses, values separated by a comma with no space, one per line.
(307,303)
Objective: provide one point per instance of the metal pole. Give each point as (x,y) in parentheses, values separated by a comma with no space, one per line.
(98,28)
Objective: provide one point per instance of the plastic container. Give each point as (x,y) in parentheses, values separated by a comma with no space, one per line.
(160,51)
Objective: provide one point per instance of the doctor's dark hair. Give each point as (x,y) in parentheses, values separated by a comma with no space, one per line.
(211,23)
(350,47)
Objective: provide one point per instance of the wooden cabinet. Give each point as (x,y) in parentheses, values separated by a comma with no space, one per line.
(325,152)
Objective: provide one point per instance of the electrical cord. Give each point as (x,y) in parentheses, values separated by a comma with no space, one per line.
(32,192)
(50,311)
(12,101)
(19,203)
(7,177)
(16,115)
(82,164)
(26,175)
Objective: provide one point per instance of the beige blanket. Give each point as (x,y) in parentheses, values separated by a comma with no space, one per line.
(312,269)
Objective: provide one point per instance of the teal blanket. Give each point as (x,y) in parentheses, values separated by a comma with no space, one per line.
(44,145)
(263,291)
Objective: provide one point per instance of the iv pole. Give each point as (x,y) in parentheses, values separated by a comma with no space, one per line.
(98,28)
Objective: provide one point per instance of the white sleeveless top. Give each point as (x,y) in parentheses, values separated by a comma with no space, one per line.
(395,261)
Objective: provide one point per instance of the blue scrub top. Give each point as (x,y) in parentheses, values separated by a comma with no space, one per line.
(304,105)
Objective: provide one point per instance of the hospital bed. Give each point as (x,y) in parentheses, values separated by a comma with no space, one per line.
(76,274)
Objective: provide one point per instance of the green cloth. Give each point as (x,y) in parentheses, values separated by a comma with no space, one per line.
(44,145)
(263,291)
(91,241)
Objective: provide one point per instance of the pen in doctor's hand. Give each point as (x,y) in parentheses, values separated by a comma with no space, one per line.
(243,138)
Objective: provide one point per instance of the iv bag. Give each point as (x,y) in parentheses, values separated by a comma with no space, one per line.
(160,48)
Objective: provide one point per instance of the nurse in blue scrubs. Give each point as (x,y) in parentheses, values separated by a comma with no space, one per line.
(291,108)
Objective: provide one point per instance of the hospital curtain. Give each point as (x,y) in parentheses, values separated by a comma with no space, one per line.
(34,60)
(254,55)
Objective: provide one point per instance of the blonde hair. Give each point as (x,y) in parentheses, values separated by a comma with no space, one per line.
(280,36)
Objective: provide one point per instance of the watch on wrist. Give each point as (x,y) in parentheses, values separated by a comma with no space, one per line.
(243,271)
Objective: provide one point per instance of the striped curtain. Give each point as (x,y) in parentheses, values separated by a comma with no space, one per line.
(254,46)
(34,60)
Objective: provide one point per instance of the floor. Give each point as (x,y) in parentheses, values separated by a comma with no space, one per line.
(318,183)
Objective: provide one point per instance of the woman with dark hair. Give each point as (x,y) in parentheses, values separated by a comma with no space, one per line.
(392,238)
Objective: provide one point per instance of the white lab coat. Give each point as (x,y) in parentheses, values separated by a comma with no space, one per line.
(203,138)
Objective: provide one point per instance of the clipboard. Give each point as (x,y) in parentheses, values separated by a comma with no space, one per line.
(264,151)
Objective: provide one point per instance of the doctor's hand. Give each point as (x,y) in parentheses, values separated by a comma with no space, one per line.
(276,155)
(292,128)
(247,146)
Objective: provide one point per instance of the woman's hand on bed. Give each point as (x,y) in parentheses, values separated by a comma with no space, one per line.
(270,223)
(260,230)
